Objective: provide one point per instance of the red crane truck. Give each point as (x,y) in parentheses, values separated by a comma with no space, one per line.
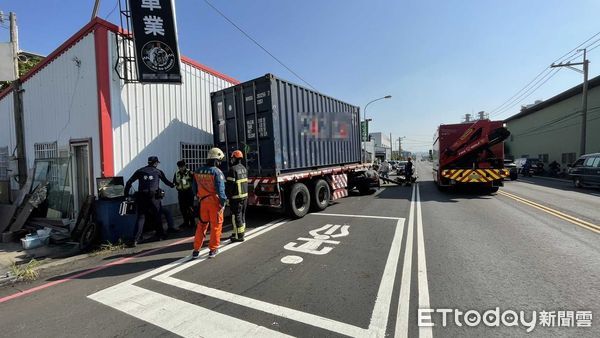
(470,154)
(302,148)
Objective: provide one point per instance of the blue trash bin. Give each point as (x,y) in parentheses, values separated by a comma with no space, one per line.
(112,225)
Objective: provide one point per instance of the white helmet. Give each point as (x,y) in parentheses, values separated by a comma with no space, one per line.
(216,154)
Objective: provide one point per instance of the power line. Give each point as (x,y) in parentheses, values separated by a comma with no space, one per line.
(512,98)
(539,132)
(528,93)
(543,74)
(532,90)
(581,44)
(112,10)
(258,44)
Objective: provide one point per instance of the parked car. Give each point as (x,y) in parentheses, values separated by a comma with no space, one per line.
(586,171)
(512,169)
(393,165)
(536,166)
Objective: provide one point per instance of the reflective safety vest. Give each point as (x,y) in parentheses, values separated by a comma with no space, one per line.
(209,185)
(183,181)
(237,182)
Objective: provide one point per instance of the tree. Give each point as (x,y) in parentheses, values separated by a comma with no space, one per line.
(26,62)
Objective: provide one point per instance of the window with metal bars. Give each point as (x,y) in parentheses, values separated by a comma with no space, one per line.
(45,150)
(48,151)
(194,154)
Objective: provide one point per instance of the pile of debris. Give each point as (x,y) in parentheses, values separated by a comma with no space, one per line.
(42,212)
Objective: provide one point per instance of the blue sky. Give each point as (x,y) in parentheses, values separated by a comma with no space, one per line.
(439,59)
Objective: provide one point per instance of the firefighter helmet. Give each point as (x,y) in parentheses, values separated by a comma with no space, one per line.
(237,154)
(216,154)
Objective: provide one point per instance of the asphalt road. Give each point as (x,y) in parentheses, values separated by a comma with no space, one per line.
(364,267)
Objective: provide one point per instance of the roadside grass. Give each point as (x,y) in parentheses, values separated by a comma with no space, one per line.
(25,272)
(108,248)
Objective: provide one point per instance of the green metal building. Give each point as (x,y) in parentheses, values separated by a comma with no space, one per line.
(551,130)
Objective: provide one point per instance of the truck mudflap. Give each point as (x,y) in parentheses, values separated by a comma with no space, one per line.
(475,175)
(339,184)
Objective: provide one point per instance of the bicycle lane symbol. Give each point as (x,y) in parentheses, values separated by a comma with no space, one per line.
(320,243)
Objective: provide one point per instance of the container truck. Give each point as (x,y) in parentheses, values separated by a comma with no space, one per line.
(302,148)
(470,154)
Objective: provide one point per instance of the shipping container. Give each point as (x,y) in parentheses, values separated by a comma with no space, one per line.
(283,127)
(302,148)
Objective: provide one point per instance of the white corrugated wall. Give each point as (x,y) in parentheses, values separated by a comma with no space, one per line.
(7,123)
(60,102)
(154,119)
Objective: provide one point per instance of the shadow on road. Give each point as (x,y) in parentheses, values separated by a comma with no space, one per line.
(132,267)
(555,184)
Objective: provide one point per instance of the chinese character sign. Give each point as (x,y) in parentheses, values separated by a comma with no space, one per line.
(155,36)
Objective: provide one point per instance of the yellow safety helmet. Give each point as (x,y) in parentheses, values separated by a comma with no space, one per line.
(216,154)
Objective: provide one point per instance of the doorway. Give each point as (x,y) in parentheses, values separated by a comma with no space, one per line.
(83,183)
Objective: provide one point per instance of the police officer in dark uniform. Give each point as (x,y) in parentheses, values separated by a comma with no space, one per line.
(183,180)
(236,188)
(148,197)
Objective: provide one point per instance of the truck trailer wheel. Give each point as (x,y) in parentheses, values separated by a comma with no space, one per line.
(299,200)
(493,190)
(320,195)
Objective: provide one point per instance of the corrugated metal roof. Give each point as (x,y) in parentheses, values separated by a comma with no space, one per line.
(558,98)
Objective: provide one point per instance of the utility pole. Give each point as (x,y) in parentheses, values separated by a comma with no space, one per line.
(400,147)
(14,40)
(18,103)
(585,63)
(391,147)
(95,11)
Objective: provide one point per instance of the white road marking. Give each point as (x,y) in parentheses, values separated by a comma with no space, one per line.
(258,231)
(424,332)
(378,192)
(404,301)
(350,215)
(381,311)
(277,310)
(526,181)
(291,259)
(166,312)
(176,316)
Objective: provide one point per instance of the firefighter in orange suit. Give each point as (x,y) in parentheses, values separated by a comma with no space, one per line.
(209,186)
(237,191)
